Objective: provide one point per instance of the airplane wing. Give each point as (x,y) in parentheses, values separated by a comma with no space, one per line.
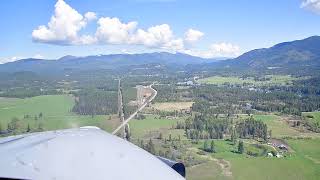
(82,153)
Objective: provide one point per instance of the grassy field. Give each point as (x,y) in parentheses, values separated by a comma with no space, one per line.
(298,166)
(55,111)
(302,163)
(172,106)
(312,116)
(278,126)
(140,128)
(207,171)
(271,80)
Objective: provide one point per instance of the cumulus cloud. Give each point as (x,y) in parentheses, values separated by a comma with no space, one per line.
(160,36)
(192,35)
(66,23)
(312,5)
(63,27)
(90,16)
(217,50)
(113,31)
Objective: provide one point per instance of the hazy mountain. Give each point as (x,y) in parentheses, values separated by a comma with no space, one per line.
(300,54)
(101,62)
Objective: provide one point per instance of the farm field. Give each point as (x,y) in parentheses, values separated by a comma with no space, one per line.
(140,128)
(278,126)
(172,106)
(270,80)
(55,113)
(297,166)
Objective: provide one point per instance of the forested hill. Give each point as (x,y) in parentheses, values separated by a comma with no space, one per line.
(297,53)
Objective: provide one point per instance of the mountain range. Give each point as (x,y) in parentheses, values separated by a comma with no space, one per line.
(299,53)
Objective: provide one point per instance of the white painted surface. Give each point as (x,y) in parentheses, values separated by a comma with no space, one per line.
(83,153)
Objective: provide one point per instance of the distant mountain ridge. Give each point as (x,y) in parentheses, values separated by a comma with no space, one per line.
(304,52)
(296,54)
(101,62)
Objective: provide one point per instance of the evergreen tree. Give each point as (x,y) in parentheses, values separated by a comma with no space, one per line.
(212,147)
(241,147)
(40,115)
(233,136)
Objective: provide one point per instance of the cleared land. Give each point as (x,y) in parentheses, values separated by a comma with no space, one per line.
(172,106)
(55,110)
(140,128)
(279,127)
(269,80)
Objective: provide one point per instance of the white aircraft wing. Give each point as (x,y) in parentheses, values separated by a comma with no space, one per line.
(83,153)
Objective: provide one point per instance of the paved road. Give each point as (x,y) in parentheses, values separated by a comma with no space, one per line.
(154,94)
(120,106)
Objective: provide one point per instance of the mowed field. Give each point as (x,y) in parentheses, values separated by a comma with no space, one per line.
(172,106)
(56,111)
(272,80)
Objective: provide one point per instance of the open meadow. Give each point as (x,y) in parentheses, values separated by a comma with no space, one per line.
(48,113)
(233,80)
(172,106)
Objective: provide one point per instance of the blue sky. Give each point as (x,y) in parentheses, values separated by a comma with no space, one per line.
(207,28)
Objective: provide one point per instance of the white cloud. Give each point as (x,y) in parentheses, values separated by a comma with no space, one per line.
(217,50)
(113,31)
(90,16)
(223,49)
(10,59)
(312,5)
(63,27)
(16,58)
(160,36)
(192,35)
(38,56)
(66,23)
